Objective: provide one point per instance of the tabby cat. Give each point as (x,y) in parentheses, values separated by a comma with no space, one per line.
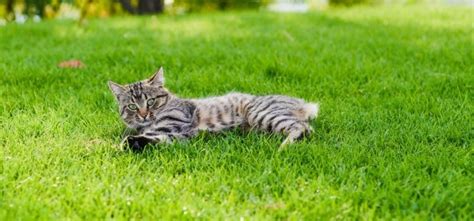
(159,116)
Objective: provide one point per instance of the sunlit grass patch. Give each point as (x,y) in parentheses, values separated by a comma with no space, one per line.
(393,141)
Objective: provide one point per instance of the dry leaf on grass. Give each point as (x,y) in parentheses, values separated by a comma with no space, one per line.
(71,64)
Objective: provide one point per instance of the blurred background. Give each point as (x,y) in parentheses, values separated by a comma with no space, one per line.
(21,11)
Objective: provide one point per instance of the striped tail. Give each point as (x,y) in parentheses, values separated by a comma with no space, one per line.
(311,110)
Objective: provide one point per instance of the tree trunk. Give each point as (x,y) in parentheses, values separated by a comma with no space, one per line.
(150,6)
(144,6)
(127,6)
(10,14)
(222,4)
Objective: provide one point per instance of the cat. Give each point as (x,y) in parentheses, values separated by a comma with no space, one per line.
(159,116)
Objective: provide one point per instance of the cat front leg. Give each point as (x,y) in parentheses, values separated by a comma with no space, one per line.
(131,132)
(138,142)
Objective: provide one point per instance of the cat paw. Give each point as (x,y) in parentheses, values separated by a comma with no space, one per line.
(136,143)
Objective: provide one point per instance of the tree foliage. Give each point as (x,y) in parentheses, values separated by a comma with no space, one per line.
(8,8)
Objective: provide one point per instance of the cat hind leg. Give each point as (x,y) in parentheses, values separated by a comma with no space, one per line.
(295,131)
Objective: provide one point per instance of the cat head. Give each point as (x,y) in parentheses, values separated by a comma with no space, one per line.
(140,101)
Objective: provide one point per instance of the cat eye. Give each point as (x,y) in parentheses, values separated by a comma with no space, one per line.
(150,102)
(132,107)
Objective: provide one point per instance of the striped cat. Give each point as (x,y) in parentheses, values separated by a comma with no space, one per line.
(159,116)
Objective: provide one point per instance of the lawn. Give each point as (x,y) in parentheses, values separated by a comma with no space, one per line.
(394,139)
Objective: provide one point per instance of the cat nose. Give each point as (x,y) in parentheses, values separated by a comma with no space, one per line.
(142,113)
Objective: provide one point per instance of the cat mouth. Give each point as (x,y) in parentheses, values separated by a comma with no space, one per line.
(144,122)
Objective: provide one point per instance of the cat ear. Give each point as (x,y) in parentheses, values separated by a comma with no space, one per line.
(158,79)
(117,89)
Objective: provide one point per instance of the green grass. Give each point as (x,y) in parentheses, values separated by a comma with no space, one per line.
(394,139)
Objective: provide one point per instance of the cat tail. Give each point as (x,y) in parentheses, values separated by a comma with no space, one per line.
(311,110)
